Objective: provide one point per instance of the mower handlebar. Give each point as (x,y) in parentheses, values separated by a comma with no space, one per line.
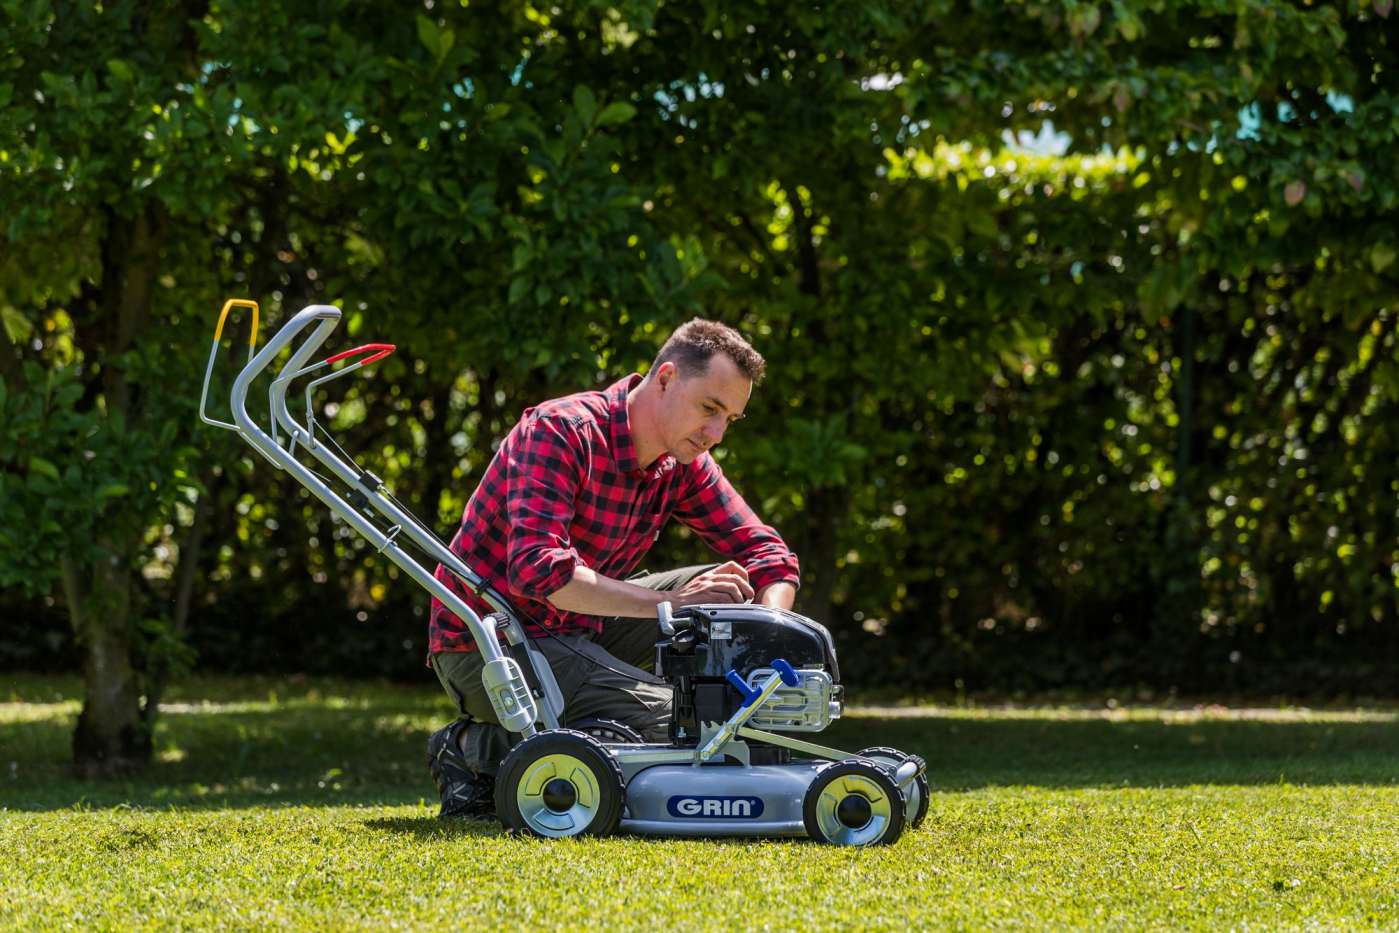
(228,306)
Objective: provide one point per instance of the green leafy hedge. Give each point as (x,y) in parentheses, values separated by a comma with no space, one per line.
(1114,404)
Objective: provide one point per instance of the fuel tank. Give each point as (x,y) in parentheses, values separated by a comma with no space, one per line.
(711,640)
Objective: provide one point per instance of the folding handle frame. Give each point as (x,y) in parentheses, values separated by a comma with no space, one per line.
(366,492)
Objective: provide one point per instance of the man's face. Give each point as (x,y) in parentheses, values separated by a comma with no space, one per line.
(695,411)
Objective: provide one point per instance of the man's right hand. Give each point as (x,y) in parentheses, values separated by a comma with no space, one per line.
(727,583)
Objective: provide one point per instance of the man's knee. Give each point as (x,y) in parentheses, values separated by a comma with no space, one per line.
(588,676)
(647,709)
(460,676)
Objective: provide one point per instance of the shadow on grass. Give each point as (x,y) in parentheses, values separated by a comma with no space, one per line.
(968,753)
(371,753)
(221,757)
(430,828)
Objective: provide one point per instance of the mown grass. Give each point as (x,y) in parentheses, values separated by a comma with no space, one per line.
(306,804)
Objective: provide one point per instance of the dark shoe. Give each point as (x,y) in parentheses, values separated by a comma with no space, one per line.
(464,793)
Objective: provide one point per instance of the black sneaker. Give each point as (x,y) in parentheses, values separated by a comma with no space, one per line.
(464,793)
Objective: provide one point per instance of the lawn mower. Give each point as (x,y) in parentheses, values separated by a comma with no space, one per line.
(747,679)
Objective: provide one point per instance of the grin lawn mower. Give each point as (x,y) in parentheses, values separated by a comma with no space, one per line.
(747,680)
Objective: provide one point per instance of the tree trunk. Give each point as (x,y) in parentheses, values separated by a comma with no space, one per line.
(1173,650)
(818,555)
(440,459)
(112,738)
(825,506)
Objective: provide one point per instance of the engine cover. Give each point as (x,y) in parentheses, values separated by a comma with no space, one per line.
(711,640)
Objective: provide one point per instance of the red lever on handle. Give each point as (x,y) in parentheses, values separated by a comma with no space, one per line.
(378,351)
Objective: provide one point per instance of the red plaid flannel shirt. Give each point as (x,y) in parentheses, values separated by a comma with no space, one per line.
(565,489)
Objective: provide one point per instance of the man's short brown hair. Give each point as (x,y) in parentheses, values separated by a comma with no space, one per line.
(695,342)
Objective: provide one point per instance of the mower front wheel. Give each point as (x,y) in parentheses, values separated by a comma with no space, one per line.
(916,796)
(559,783)
(854,803)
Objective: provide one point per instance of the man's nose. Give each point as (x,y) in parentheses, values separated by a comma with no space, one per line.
(714,430)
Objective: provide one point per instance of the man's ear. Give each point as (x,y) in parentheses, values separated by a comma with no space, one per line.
(664,374)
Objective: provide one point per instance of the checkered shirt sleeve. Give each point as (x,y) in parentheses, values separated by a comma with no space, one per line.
(542,476)
(714,509)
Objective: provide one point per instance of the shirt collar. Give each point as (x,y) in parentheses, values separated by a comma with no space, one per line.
(623,447)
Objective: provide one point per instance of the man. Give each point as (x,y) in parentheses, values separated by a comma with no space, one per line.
(572,501)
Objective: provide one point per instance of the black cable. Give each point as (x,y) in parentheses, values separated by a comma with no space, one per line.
(330,438)
(593,661)
(388,494)
(328,483)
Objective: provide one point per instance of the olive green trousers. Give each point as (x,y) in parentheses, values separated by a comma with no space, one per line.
(604,675)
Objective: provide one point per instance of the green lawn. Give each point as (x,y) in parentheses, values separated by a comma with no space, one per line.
(307,804)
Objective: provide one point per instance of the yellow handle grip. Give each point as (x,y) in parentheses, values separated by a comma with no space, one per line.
(228,306)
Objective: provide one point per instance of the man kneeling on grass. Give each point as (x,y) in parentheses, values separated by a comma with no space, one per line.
(572,501)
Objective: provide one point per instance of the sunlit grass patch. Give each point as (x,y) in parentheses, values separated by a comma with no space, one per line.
(308,805)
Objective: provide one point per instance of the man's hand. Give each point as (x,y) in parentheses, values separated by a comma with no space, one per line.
(727,583)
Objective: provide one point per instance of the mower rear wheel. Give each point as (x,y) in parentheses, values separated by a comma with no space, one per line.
(608,731)
(915,795)
(559,783)
(854,803)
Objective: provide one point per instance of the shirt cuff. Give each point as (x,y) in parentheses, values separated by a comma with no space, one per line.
(762,577)
(543,573)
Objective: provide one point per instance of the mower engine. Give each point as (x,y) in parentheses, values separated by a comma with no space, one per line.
(711,640)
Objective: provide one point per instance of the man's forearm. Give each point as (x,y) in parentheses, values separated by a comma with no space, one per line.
(777,596)
(591,593)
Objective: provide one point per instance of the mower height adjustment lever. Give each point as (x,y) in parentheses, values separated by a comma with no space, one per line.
(752,694)
(753,698)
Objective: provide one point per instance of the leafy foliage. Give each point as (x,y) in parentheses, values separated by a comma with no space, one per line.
(1080,316)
